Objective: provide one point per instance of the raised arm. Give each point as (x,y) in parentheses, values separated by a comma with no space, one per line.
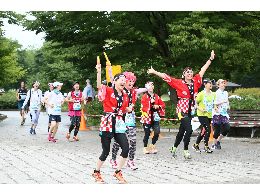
(205,67)
(152,71)
(98,67)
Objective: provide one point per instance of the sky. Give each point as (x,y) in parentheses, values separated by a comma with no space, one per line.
(28,39)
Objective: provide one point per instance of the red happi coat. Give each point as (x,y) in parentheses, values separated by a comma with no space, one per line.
(183,92)
(146,107)
(107,96)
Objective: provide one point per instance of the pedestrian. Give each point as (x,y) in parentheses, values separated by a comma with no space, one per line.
(54,101)
(220,119)
(74,99)
(205,104)
(33,100)
(130,122)
(21,96)
(152,108)
(115,104)
(187,89)
(88,92)
(46,107)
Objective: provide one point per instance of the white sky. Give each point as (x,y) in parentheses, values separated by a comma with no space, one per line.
(28,39)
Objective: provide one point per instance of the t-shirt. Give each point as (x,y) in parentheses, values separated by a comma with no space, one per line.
(56,100)
(22,94)
(205,102)
(221,109)
(35,97)
(46,95)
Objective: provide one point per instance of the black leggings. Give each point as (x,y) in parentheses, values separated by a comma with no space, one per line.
(221,129)
(75,123)
(185,130)
(205,122)
(147,131)
(120,138)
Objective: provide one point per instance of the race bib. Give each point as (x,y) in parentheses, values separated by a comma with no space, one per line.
(34,106)
(223,109)
(209,107)
(130,119)
(23,97)
(156,116)
(120,126)
(57,108)
(76,106)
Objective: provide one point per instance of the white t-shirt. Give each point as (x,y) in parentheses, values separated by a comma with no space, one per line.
(56,100)
(35,99)
(221,96)
(46,95)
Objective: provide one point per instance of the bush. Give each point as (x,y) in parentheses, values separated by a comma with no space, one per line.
(250,99)
(8,100)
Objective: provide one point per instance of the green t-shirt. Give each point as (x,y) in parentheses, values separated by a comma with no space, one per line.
(205,102)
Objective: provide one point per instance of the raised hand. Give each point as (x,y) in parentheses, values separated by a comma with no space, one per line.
(150,70)
(98,67)
(212,55)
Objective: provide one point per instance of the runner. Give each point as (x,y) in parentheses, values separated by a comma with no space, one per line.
(187,89)
(45,96)
(33,101)
(152,108)
(74,99)
(54,101)
(130,122)
(220,116)
(20,96)
(205,104)
(115,103)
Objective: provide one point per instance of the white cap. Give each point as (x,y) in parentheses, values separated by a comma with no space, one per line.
(55,84)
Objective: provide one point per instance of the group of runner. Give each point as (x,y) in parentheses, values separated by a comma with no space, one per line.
(53,99)
(118,120)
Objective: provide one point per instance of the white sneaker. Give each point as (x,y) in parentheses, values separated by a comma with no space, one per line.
(131,165)
(113,164)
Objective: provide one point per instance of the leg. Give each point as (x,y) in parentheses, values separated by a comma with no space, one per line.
(188,132)
(77,125)
(156,128)
(115,150)
(122,140)
(132,142)
(180,134)
(205,122)
(105,141)
(147,132)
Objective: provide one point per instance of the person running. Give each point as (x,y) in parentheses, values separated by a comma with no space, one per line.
(152,108)
(187,89)
(205,104)
(54,101)
(33,101)
(220,119)
(45,96)
(115,104)
(75,99)
(129,121)
(21,96)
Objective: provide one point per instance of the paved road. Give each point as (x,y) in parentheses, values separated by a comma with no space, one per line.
(25,158)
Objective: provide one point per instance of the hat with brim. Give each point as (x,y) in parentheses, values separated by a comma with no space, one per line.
(55,84)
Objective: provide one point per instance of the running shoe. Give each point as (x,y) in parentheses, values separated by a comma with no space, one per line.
(49,137)
(153,149)
(207,150)
(68,136)
(146,150)
(131,165)
(218,145)
(98,177)
(34,132)
(31,130)
(187,154)
(113,163)
(75,138)
(173,151)
(23,121)
(196,147)
(119,177)
(213,147)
